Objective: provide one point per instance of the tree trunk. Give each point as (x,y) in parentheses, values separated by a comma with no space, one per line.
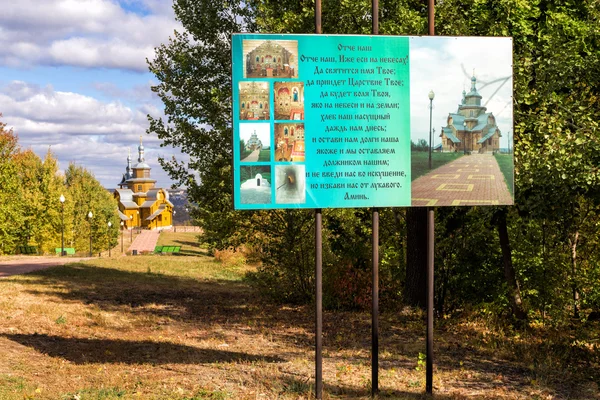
(573,245)
(509,270)
(416,257)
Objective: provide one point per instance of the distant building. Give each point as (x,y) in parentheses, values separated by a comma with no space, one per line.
(471,129)
(254,143)
(140,203)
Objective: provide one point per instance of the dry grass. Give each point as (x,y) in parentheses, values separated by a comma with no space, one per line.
(162,327)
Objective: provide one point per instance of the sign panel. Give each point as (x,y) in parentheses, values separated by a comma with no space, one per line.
(343,121)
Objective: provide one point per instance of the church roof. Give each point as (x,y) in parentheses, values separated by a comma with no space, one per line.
(490,133)
(450,135)
(161,208)
(122,216)
(458,121)
(126,198)
(141,165)
(129,204)
(473,93)
(482,121)
(140,180)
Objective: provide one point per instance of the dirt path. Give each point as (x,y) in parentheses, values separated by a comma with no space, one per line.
(22,265)
(470,180)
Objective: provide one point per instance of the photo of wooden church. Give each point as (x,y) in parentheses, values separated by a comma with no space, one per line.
(140,203)
(471,129)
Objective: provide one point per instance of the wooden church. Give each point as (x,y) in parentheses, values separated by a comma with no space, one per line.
(471,129)
(140,203)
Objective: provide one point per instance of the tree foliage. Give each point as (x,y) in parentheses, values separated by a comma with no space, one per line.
(30,211)
(11,213)
(550,232)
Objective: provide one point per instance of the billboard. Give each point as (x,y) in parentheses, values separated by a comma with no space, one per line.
(324,121)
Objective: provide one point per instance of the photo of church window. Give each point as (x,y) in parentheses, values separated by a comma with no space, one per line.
(255,184)
(289,142)
(255,142)
(290,183)
(254,99)
(289,101)
(270,58)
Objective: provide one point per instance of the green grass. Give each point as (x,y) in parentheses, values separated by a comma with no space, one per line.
(245,154)
(264,155)
(100,394)
(506,164)
(187,240)
(420,162)
(11,385)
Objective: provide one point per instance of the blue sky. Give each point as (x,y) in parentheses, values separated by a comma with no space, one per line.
(74,79)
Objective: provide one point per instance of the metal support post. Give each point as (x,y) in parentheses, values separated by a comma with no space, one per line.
(430,261)
(318,305)
(375,307)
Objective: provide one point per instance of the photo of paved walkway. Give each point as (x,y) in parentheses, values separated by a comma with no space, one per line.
(252,157)
(471,180)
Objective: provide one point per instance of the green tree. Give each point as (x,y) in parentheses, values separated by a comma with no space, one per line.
(11,213)
(84,195)
(556,81)
(47,221)
(194,73)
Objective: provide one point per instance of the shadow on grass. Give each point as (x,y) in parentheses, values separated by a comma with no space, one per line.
(188,243)
(306,389)
(188,248)
(180,298)
(233,304)
(87,351)
(195,301)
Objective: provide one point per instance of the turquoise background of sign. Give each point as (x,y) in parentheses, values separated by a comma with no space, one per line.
(356,124)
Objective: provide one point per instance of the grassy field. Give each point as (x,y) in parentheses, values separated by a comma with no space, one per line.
(505,162)
(420,162)
(188,327)
(264,155)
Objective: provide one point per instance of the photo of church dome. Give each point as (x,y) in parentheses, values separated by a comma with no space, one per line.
(270,58)
(254,101)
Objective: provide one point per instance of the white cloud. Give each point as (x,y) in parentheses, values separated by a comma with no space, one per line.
(83,33)
(86,52)
(82,129)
